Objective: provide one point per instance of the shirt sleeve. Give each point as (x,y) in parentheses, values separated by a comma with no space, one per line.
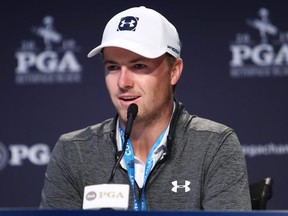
(226,180)
(61,187)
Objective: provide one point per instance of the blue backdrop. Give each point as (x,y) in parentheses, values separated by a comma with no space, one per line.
(235,72)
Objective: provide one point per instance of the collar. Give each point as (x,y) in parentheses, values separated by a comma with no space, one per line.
(159,152)
(177,110)
(118,137)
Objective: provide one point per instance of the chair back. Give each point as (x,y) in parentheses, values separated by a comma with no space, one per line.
(260,193)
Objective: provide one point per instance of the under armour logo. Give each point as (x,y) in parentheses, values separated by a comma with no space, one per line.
(128,23)
(176,186)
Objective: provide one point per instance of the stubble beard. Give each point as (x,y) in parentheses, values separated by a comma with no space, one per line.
(153,115)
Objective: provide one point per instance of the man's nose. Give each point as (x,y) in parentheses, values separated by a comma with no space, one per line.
(125,80)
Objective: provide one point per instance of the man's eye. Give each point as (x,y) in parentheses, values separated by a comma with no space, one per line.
(112,67)
(140,66)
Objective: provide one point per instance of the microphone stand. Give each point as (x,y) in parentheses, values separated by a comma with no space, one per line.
(131,115)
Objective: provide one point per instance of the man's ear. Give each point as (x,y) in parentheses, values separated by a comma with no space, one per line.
(176,71)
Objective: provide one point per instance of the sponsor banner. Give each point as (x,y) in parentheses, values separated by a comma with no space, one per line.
(50,60)
(264,56)
(16,154)
(270,149)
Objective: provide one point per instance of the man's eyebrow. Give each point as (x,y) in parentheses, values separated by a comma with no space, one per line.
(131,61)
(109,62)
(136,60)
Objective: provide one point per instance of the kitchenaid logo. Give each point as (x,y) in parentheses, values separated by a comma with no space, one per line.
(91,196)
(262,56)
(48,59)
(17,154)
(4,156)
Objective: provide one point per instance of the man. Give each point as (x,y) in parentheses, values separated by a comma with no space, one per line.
(176,161)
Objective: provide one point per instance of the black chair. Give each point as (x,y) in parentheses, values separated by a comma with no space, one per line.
(260,193)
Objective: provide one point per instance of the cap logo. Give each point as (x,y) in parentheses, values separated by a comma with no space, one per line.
(128,23)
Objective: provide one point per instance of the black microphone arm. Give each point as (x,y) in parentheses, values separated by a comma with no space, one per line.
(132,112)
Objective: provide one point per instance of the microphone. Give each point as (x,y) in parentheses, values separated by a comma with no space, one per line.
(131,115)
(112,196)
(132,112)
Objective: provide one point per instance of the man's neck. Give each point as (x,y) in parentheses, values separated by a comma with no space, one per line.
(144,136)
(145,142)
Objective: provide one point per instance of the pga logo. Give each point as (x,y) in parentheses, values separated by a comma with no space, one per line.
(17,154)
(46,62)
(261,55)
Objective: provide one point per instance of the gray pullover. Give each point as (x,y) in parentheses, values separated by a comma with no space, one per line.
(204,167)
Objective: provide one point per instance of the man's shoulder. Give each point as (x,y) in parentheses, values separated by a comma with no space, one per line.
(199,124)
(204,124)
(89,131)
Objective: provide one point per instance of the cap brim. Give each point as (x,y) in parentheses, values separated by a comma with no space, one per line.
(148,52)
(94,52)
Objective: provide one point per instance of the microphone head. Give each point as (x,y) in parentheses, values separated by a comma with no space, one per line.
(132,110)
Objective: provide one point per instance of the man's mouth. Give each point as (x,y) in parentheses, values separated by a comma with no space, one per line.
(128,98)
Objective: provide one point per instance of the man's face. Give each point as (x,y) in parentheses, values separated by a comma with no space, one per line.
(131,78)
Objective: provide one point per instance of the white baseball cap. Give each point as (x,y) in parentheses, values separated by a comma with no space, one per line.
(141,30)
